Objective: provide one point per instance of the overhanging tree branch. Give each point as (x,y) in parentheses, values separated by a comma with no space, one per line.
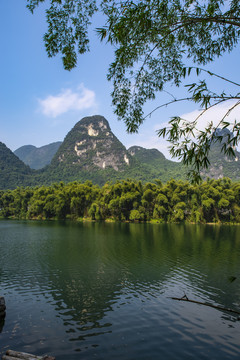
(154,42)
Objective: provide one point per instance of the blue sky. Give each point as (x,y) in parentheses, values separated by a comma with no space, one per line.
(40,101)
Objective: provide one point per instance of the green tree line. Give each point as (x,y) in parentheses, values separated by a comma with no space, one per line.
(216,201)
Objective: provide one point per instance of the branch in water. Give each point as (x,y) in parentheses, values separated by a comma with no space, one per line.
(185,298)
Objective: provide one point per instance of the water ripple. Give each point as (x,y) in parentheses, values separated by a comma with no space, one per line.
(100,292)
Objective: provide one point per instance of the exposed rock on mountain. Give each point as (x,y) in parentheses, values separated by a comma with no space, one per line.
(92,145)
(37,158)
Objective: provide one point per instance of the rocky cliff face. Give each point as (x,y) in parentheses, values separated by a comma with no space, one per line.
(91,144)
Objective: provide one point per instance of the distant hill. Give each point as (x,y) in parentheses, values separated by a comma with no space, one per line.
(13,172)
(37,158)
(147,155)
(220,164)
(156,165)
(90,151)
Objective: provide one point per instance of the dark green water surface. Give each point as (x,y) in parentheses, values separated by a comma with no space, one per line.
(102,291)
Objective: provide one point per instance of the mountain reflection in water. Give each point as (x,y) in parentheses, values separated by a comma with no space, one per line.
(102,291)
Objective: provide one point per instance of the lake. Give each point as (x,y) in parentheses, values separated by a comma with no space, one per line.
(103,290)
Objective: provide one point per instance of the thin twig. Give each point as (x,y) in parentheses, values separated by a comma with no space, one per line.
(191,99)
(185,298)
(214,74)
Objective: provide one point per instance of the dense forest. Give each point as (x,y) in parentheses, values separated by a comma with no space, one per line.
(216,201)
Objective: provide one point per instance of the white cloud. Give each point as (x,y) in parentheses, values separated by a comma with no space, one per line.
(68,100)
(214,114)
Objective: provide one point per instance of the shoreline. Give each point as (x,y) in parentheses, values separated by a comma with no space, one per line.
(109,220)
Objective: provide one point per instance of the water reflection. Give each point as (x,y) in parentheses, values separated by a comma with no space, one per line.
(84,287)
(96,272)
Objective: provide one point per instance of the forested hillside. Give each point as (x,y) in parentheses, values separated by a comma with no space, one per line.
(176,201)
(13,171)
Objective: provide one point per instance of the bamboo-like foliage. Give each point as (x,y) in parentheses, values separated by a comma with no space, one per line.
(215,201)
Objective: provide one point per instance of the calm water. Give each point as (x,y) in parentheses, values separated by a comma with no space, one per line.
(101,291)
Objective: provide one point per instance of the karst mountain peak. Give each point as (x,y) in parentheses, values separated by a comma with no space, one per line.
(92,145)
